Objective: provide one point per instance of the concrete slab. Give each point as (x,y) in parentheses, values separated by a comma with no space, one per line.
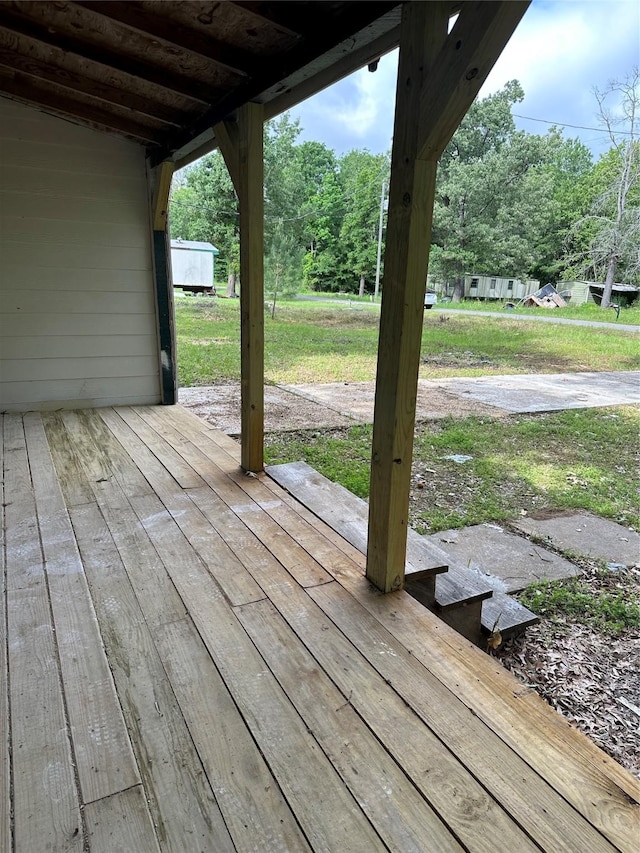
(356,400)
(548,392)
(586,534)
(510,562)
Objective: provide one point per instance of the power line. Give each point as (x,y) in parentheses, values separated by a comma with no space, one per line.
(576,126)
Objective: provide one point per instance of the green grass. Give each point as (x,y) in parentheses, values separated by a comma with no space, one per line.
(612,612)
(308,343)
(579,459)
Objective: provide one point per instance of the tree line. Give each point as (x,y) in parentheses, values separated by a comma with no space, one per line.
(507,203)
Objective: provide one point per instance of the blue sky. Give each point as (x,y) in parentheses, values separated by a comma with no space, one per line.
(560,51)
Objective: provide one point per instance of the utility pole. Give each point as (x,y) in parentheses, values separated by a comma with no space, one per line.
(377,288)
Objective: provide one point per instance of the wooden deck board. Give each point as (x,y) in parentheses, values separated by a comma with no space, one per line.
(45,802)
(5,758)
(103,755)
(272,699)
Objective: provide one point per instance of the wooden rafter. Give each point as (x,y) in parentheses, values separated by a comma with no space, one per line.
(439,75)
(56,102)
(58,72)
(135,17)
(326,35)
(15,22)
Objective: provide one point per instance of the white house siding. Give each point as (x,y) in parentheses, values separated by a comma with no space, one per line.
(77,307)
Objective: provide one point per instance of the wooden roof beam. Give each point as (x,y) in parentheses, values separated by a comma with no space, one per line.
(15,22)
(324,39)
(21,89)
(48,72)
(135,17)
(439,75)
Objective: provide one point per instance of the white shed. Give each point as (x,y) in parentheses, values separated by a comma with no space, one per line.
(193,265)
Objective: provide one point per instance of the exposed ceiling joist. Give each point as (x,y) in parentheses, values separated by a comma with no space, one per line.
(327,35)
(56,103)
(234,59)
(76,82)
(15,22)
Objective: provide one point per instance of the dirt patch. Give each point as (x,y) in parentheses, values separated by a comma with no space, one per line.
(326,406)
(219,406)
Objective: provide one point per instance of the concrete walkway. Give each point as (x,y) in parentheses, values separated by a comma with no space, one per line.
(482,394)
(546,317)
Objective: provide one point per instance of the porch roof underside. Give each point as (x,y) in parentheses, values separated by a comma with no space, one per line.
(163,73)
(197,662)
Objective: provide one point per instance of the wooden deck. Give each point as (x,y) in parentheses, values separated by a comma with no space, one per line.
(194,662)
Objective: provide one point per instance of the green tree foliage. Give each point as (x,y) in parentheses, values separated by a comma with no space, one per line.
(507,203)
(491,205)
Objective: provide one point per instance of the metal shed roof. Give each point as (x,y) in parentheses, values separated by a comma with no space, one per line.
(194,245)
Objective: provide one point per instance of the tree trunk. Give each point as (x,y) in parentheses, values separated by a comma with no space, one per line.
(458,290)
(231,284)
(608,282)
(361,291)
(275,296)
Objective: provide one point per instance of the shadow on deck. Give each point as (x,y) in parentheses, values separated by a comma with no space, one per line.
(194,662)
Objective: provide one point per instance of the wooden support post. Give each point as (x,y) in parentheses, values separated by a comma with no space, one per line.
(242,149)
(439,75)
(160,179)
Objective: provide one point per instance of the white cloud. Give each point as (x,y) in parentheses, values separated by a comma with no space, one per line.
(560,51)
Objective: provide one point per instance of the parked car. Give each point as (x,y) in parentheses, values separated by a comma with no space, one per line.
(430,299)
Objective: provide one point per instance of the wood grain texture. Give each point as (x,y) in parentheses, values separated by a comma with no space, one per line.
(103,755)
(250,798)
(535,806)
(45,802)
(595,785)
(121,823)
(402,817)
(216,555)
(179,795)
(251,206)
(238,518)
(411,193)
(5,759)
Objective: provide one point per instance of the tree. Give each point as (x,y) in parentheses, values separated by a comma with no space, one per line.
(204,206)
(612,226)
(492,195)
(283,266)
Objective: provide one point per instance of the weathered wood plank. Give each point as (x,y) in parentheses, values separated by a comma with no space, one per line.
(5,760)
(154,590)
(259,526)
(402,817)
(309,782)
(526,796)
(253,806)
(103,754)
(204,539)
(594,784)
(45,803)
(180,798)
(121,822)
(347,514)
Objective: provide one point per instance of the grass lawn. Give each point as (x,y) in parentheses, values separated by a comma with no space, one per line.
(628,315)
(579,459)
(308,343)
